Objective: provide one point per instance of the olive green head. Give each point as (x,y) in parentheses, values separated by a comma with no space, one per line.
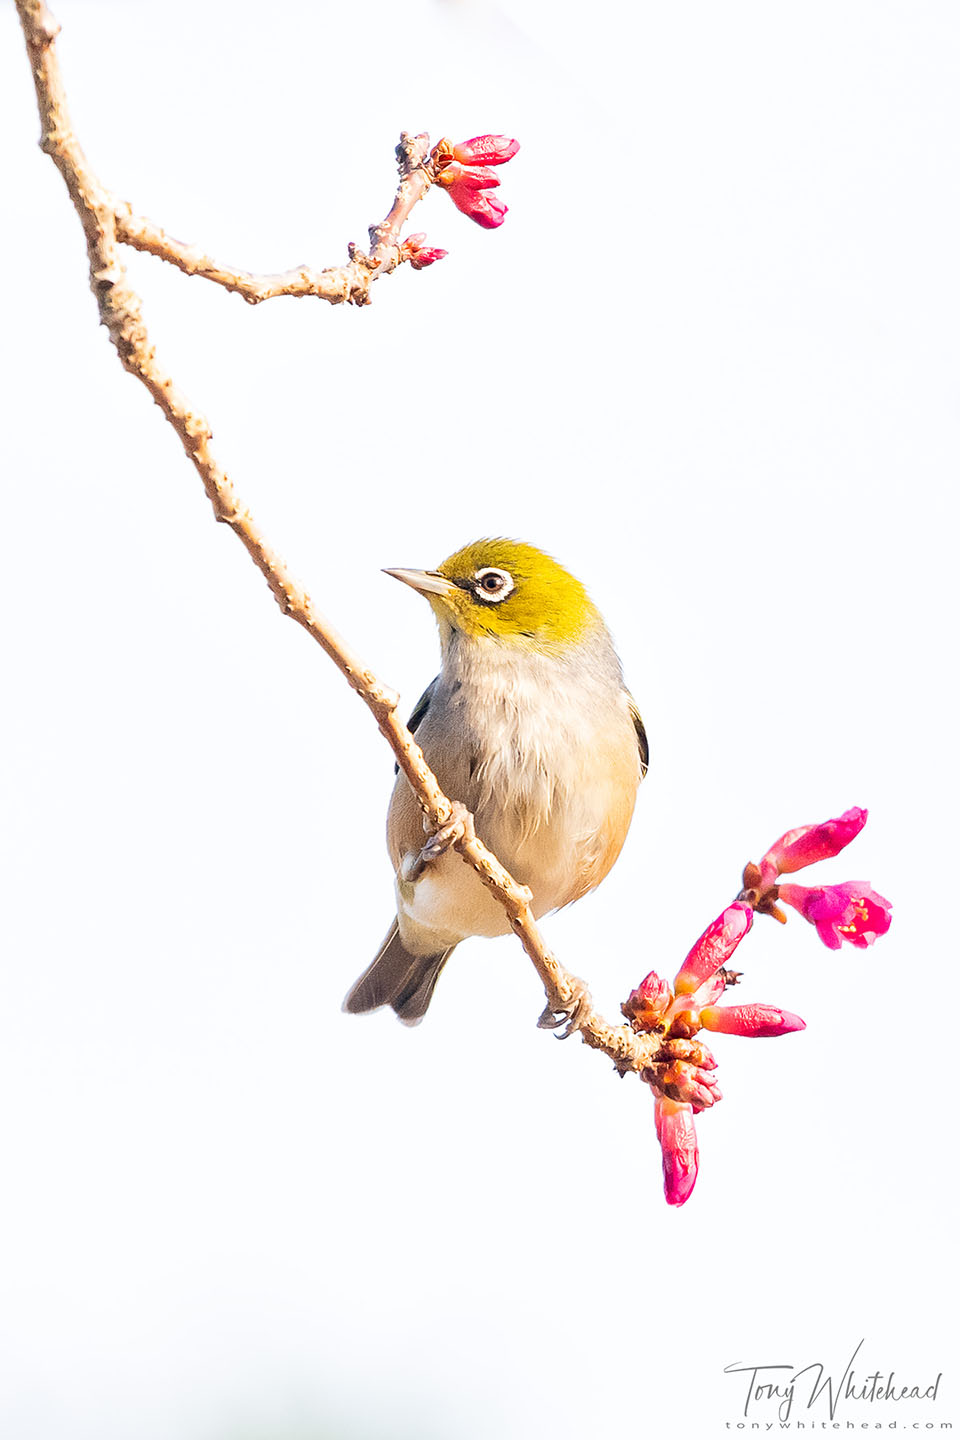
(506,590)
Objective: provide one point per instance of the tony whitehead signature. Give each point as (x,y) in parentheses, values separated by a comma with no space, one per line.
(784,1386)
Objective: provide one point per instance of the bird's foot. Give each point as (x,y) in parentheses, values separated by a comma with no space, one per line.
(570,1012)
(459,825)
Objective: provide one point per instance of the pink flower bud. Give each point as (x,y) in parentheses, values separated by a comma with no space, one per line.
(694,1051)
(486,150)
(684,1082)
(684,1017)
(651,994)
(481,205)
(678,1142)
(810,843)
(753,1020)
(426,255)
(851,912)
(714,948)
(474,177)
(710,990)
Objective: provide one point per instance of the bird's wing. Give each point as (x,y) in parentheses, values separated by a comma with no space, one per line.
(638,725)
(420,710)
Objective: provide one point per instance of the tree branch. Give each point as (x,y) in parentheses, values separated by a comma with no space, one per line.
(108,224)
(336,284)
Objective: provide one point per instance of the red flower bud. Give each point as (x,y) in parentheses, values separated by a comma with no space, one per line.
(475,177)
(486,150)
(810,843)
(684,1082)
(429,255)
(678,1142)
(481,205)
(646,1004)
(714,948)
(753,1020)
(710,990)
(418,254)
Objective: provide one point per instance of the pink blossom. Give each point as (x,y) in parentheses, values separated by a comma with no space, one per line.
(810,843)
(481,205)
(714,948)
(752,1020)
(486,150)
(852,911)
(678,1142)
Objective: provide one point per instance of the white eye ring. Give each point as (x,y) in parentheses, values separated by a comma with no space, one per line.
(491,586)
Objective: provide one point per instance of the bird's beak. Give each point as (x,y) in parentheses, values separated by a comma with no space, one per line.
(428,582)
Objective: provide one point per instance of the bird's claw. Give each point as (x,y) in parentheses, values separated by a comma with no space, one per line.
(570,1013)
(454,829)
(439,843)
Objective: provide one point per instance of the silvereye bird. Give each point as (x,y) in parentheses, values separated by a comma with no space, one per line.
(530,726)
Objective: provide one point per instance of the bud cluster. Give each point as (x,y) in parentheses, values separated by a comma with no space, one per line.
(681,1073)
(465,173)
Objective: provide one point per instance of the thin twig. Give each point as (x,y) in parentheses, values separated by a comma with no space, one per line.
(350,282)
(107,225)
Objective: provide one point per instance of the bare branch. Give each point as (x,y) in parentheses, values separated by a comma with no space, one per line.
(107,225)
(350,283)
(344,283)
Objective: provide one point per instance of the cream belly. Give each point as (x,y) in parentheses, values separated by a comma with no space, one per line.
(548,762)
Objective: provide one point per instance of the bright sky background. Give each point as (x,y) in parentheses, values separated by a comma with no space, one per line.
(711,362)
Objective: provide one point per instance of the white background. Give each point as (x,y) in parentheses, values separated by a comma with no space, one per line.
(711,362)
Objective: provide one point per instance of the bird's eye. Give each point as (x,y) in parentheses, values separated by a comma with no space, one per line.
(492,585)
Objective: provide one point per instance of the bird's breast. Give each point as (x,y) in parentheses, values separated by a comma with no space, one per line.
(545,756)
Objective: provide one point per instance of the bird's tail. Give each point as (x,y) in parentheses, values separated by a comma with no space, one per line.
(399,979)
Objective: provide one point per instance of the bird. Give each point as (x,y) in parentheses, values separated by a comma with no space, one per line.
(530,725)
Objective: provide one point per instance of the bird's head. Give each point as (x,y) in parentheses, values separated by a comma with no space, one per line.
(508,591)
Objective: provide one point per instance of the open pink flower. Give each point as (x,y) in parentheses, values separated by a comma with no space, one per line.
(852,911)
(810,843)
(463,171)
(678,1143)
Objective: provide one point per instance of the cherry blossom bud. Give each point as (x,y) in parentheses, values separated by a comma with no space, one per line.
(428,255)
(678,1142)
(685,1083)
(486,150)
(851,912)
(684,1017)
(714,948)
(481,205)
(474,177)
(644,1006)
(711,989)
(810,843)
(753,1020)
(418,254)
(692,1050)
